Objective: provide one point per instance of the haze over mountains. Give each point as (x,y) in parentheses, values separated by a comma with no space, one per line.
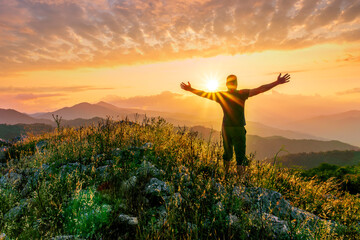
(267,147)
(344,126)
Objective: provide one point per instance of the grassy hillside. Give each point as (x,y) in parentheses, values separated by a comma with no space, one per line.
(123,180)
(348,176)
(312,160)
(8,132)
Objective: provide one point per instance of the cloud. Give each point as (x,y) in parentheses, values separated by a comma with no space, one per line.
(10,89)
(26,97)
(350,91)
(66,34)
(349,58)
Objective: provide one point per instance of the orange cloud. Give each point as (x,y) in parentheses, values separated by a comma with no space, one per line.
(30,96)
(66,34)
(10,89)
(350,91)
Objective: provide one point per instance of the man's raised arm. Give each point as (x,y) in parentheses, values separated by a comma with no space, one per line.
(187,87)
(266,87)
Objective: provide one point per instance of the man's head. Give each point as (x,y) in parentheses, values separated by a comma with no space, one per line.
(231,82)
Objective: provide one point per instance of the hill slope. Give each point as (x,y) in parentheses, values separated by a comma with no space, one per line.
(10,116)
(312,160)
(121,180)
(9,132)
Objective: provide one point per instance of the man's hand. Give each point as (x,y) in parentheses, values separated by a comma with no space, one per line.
(186,87)
(283,79)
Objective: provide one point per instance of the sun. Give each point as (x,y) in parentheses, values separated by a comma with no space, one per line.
(212,84)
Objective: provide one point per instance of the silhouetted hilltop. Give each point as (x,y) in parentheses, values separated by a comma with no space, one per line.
(10,116)
(87,111)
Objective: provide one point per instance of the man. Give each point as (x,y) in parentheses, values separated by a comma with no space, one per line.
(233,126)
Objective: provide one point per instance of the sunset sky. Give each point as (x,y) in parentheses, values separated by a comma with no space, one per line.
(132,53)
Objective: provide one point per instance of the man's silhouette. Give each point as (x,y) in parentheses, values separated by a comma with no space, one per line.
(233,125)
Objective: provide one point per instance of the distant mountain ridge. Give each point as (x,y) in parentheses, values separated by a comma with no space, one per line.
(103,109)
(344,127)
(86,111)
(10,116)
(267,147)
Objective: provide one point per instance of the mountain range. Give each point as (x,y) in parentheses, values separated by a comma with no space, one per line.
(343,126)
(103,109)
(267,147)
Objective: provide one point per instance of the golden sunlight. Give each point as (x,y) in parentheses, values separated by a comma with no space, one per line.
(212,84)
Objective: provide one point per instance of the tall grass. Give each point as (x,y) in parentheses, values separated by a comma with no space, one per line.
(84,201)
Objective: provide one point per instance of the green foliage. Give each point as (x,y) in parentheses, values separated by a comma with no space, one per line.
(12,131)
(347,176)
(315,159)
(75,189)
(86,213)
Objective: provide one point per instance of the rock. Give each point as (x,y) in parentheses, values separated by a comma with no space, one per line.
(271,202)
(103,171)
(147,145)
(277,226)
(233,219)
(218,187)
(157,187)
(16,212)
(66,237)
(70,167)
(45,166)
(128,219)
(130,183)
(32,175)
(12,179)
(41,146)
(162,214)
(147,168)
(29,186)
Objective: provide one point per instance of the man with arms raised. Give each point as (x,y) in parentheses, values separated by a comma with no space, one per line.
(233,131)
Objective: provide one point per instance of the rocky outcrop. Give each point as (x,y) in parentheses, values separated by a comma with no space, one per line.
(270,206)
(16,212)
(157,187)
(11,179)
(128,219)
